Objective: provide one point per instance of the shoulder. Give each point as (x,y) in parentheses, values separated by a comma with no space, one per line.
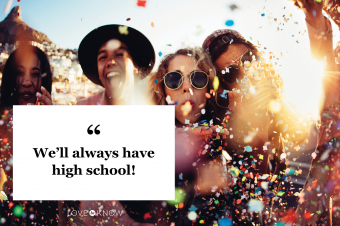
(92,100)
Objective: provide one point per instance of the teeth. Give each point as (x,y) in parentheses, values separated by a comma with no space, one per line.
(111,74)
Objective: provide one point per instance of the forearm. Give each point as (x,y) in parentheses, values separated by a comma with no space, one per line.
(321,40)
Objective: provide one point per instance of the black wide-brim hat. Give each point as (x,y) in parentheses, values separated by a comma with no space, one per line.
(140,48)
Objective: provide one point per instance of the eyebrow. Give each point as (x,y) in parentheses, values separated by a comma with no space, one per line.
(104,50)
(35,68)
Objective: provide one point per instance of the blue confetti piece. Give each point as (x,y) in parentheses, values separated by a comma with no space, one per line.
(263,14)
(225,222)
(179,183)
(192,207)
(314,13)
(156,81)
(237,80)
(231,41)
(286,127)
(176,102)
(303,147)
(249,149)
(160,54)
(98,103)
(229,23)
(181,176)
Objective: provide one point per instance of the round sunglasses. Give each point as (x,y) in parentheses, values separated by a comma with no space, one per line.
(233,72)
(174,79)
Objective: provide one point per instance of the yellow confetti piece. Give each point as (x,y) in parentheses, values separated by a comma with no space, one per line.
(123,30)
(216,83)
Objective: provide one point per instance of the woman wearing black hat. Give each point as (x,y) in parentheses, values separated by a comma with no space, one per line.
(114,57)
(115,60)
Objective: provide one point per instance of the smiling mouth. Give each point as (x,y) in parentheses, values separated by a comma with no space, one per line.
(112,74)
(26,96)
(114,79)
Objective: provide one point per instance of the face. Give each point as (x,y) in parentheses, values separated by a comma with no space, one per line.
(197,101)
(28,78)
(233,53)
(115,67)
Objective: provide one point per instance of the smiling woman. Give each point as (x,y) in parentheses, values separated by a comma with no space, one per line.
(26,73)
(26,80)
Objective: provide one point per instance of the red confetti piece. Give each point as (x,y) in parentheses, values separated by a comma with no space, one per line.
(181,205)
(147,215)
(128,19)
(18,0)
(10,205)
(141,3)
(207,95)
(238,201)
(308,215)
(5,140)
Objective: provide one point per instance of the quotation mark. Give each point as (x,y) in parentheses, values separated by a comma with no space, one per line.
(89,131)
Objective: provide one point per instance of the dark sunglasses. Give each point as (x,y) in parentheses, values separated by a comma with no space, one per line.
(174,79)
(233,72)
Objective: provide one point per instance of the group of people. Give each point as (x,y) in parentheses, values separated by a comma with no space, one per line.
(231,120)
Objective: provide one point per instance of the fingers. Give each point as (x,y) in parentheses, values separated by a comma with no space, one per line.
(45,92)
(45,97)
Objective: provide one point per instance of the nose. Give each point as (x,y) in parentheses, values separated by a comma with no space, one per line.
(27,81)
(186,85)
(110,62)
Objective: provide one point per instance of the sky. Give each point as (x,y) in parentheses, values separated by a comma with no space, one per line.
(177,23)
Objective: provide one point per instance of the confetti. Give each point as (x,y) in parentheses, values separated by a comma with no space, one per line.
(160,54)
(141,3)
(225,222)
(128,19)
(8,6)
(233,7)
(156,81)
(123,30)
(229,23)
(147,216)
(216,83)
(192,215)
(152,24)
(255,205)
(248,149)
(168,100)
(191,93)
